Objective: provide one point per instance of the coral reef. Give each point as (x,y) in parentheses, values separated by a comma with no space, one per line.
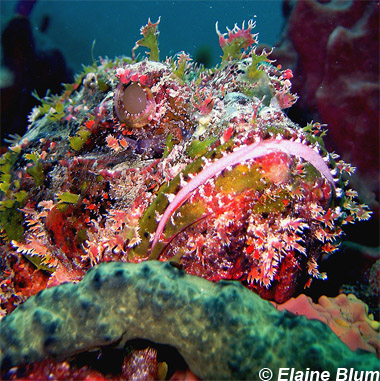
(111,364)
(141,160)
(374,278)
(116,302)
(346,315)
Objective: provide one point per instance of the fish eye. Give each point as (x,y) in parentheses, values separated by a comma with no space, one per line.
(134,99)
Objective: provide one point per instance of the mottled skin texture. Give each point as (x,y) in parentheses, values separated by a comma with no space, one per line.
(225,190)
(158,302)
(240,156)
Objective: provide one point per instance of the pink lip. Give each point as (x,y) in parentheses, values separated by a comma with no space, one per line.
(241,155)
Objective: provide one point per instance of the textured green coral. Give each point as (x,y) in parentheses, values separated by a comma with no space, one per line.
(223,330)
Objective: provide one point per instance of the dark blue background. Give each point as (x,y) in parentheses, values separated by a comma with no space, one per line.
(115,25)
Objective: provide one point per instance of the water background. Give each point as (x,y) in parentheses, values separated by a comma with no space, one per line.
(115,25)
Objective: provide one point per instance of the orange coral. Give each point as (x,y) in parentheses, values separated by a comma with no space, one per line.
(346,315)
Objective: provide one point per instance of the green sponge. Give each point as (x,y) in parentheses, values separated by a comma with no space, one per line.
(223,330)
